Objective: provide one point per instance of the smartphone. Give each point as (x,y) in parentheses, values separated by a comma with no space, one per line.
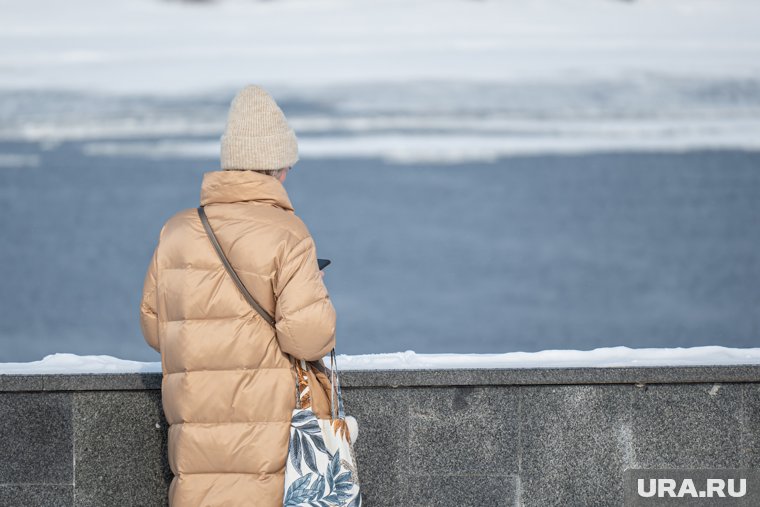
(323,263)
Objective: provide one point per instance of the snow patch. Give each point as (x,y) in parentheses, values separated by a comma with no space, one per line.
(457,148)
(73,363)
(597,358)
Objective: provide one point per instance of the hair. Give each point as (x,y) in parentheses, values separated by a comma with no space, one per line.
(271,172)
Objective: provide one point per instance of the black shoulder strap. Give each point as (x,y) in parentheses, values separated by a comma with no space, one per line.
(228,267)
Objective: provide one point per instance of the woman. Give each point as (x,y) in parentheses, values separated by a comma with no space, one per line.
(228,386)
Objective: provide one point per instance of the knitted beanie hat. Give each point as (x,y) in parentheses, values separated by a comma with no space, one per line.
(257,135)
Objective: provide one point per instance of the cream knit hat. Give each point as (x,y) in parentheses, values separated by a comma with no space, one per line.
(257,135)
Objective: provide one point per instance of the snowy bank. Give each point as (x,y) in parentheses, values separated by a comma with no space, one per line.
(62,363)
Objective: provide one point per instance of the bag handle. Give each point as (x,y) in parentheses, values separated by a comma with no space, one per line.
(335,386)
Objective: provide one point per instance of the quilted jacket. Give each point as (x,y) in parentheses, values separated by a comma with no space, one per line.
(228,386)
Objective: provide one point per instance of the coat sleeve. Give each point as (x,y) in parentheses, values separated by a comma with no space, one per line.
(304,313)
(148,317)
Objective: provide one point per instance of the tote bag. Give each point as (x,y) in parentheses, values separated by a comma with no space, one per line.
(321,468)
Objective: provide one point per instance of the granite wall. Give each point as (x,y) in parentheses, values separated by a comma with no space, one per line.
(533,437)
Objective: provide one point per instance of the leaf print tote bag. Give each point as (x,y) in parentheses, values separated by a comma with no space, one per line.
(321,466)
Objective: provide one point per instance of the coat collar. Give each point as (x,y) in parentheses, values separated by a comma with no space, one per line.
(237,186)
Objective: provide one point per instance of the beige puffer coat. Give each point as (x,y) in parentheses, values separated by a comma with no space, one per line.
(228,384)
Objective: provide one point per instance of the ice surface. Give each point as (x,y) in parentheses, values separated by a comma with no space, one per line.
(601,357)
(157,46)
(453,148)
(408,81)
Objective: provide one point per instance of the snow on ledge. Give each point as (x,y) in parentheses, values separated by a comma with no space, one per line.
(597,358)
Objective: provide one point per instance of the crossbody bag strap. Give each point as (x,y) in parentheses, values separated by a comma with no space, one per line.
(247,295)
